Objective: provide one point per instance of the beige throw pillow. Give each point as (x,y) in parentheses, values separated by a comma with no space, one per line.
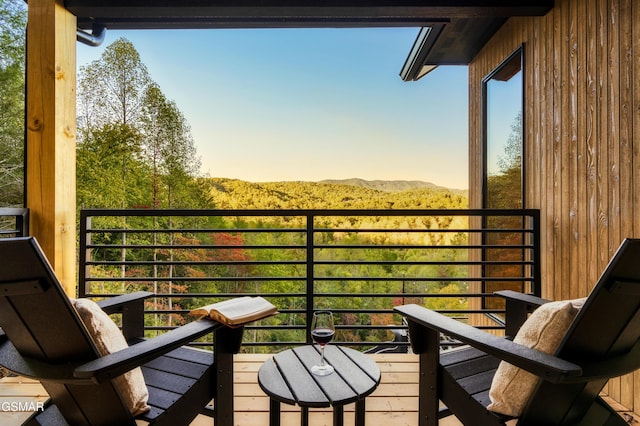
(512,387)
(108,338)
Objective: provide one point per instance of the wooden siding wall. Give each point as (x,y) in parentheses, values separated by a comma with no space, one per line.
(582,104)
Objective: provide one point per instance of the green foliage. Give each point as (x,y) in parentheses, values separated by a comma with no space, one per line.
(109,168)
(13,18)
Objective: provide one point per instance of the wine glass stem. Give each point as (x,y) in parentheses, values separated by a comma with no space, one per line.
(322,355)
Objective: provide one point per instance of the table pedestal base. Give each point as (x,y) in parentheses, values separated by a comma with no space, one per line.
(338,414)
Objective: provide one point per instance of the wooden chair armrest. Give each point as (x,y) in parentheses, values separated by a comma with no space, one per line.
(109,366)
(522,298)
(543,365)
(518,307)
(117,363)
(117,304)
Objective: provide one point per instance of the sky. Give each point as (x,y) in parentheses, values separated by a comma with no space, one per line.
(312,104)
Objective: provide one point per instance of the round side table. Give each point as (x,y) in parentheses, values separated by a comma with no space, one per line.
(287,377)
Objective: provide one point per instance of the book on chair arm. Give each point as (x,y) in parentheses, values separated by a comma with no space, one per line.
(237,311)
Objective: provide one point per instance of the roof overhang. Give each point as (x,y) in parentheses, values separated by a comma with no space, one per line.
(183,14)
(458,40)
(452,43)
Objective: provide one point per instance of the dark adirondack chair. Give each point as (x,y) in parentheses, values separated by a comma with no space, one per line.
(602,342)
(43,338)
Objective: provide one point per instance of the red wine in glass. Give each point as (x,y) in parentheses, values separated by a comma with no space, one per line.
(322,336)
(322,331)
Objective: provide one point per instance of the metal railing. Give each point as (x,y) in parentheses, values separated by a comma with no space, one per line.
(14,222)
(357,263)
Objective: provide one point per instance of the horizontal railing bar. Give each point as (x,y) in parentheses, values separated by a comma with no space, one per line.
(203,295)
(423,262)
(432,247)
(315,246)
(193,263)
(301,262)
(421,231)
(194,279)
(192,230)
(312,212)
(191,247)
(317,278)
(302,231)
(281,295)
(429,279)
(410,295)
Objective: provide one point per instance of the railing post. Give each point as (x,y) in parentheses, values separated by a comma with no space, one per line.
(83,255)
(537,267)
(22,222)
(310,302)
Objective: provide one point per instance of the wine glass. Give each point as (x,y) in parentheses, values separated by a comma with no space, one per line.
(322,331)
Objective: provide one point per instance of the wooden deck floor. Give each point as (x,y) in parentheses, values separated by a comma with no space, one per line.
(394,402)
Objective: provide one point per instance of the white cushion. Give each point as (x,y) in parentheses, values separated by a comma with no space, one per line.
(544,330)
(108,338)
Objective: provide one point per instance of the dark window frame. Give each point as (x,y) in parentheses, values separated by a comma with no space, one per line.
(510,66)
(504,65)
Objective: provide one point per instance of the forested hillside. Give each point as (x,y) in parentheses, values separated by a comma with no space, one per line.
(388,185)
(238,194)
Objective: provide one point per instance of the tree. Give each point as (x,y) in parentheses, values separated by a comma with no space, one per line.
(13,18)
(123,112)
(112,89)
(505,188)
(170,150)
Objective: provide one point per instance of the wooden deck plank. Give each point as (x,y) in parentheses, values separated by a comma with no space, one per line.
(395,401)
(25,392)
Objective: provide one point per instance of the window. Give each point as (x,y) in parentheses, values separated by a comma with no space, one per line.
(503,99)
(503,124)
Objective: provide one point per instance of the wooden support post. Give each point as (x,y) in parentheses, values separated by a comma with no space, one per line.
(51,129)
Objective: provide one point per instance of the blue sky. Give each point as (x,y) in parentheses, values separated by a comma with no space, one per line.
(290,104)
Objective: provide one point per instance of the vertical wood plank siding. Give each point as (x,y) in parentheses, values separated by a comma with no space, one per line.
(582,118)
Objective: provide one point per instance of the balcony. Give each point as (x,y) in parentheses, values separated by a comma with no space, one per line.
(295,265)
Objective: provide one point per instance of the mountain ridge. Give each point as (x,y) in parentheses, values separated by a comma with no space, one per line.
(397,185)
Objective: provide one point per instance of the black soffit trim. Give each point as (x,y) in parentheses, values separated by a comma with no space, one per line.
(135,14)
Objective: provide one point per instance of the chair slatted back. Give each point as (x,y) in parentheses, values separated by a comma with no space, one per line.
(41,323)
(605,332)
